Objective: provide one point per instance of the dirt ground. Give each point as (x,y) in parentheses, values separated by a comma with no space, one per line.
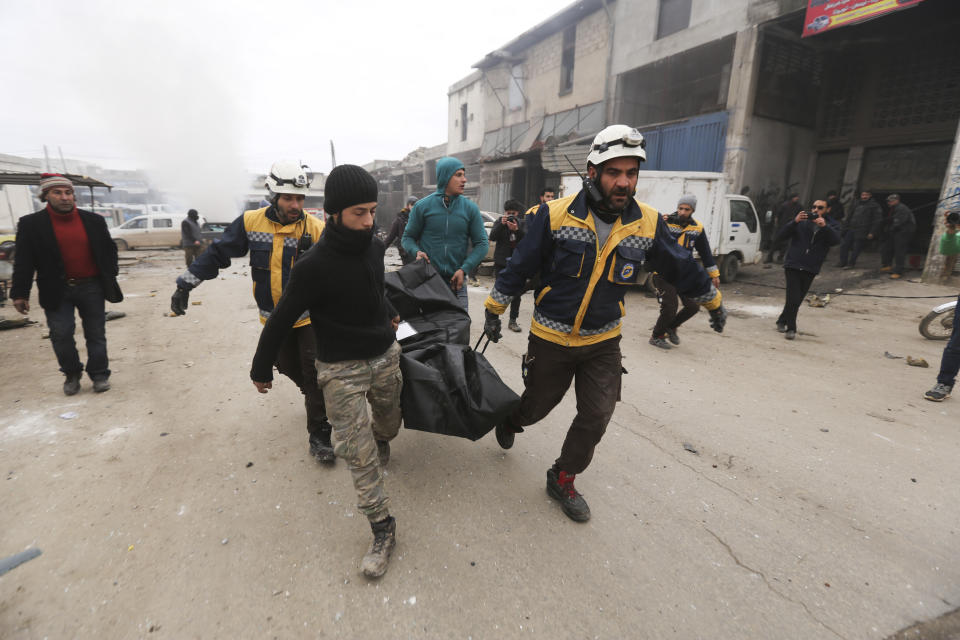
(747,486)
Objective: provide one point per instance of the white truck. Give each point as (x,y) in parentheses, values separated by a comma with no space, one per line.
(730,221)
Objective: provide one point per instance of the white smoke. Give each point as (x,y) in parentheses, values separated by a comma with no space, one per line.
(149,85)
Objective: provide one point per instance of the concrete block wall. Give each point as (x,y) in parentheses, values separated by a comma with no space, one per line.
(541,75)
(469,91)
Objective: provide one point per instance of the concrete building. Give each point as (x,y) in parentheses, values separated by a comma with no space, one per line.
(397,180)
(726,85)
(730,85)
(545,87)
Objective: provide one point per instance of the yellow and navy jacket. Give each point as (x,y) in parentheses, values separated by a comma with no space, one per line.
(582,285)
(690,235)
(272,247)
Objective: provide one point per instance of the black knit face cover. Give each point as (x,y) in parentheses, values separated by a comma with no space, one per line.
(346,239)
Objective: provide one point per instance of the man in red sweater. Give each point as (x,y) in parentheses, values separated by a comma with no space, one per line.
(75,261)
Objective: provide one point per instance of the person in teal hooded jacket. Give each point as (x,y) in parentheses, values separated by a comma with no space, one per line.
(443,225)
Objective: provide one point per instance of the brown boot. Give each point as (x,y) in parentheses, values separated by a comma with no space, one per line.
(375,562)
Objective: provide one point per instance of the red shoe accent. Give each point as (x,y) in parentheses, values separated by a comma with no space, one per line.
(565,480)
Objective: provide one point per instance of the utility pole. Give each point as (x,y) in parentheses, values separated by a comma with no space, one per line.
(949,200)
(333,155)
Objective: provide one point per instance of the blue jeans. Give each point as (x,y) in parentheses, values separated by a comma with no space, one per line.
(950,363)
(87,298)
(462,295)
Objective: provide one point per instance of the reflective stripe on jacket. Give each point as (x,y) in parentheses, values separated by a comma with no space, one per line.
(272,247)
(691,236)
(580,299)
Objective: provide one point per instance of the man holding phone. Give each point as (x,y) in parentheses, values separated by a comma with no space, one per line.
(811,234)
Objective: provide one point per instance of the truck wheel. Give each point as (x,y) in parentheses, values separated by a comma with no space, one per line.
(729,268)
(121,245)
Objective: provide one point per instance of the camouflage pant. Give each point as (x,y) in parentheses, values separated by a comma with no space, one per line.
(347,386)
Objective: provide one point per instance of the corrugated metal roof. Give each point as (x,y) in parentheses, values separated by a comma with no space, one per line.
(555,158)
(18,177)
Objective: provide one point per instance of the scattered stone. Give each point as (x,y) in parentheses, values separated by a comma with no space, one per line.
(689,447)
(887,354)
(164,433)
(917,362)
(249,464)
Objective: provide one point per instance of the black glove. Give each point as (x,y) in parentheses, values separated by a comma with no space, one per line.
(491,326)
(179,301)
(718,318)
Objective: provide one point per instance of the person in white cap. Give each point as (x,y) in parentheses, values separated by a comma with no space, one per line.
(75,261)
(274,236)
(589,248)
(689,235)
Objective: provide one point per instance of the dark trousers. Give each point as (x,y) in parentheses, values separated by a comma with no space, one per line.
(850,249)
(87,299)
(669,319)
(950,363)
(515,307)
(798,283)
(895,248)
(297,361)
(550,370)
(191,253)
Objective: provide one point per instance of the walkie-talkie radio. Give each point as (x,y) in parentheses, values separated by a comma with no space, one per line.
(592,192)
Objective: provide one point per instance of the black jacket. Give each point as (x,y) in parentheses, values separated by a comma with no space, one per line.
(342,287)
(788,211)
(500,233)
(866,218)
(396,230)
(38,252)
(808,243)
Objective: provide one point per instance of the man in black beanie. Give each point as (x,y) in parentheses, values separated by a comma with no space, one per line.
(340,282)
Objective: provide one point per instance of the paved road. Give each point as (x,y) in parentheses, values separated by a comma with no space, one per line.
(819,500)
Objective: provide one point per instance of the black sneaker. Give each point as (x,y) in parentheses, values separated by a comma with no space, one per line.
(660,341)
(672,336)
(790,335)
(383,452)
(939,393)
(560,487)
(782,327)
(321,448)
(101,385)
(71,386)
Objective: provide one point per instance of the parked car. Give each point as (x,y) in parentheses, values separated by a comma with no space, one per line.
(211,231)
(488,219)
(7,250)
(155,230)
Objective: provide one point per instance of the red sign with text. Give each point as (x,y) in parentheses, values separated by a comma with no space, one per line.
(823,15)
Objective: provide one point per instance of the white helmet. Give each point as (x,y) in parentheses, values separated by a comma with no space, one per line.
(617,141)
(288,177)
